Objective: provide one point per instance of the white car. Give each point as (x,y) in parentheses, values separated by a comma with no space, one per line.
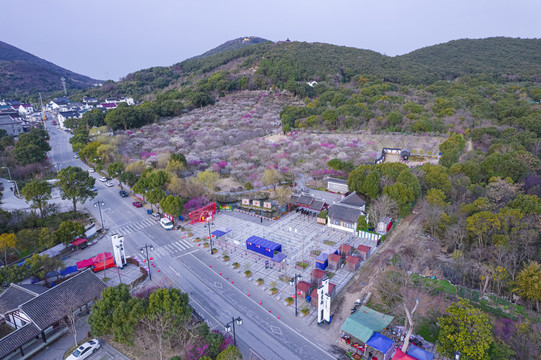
(85,350)
(91,170)
(166,224)
(109,183)
(103,179)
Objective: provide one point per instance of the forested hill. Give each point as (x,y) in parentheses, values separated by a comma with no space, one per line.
(498,55)
(262,65)
(22,73)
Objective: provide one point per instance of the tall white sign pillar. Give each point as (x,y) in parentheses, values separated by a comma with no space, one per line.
(324,302)
(118,250)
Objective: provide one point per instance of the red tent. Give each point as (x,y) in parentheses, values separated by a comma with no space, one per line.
(99,266)
(399,355)
(101,257)
(84,263)
(79,241)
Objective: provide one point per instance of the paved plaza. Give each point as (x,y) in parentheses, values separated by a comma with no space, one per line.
(299,236)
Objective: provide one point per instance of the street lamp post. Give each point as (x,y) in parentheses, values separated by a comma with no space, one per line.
(228,327)
(208,225)
(297,277)
(143,249)
(11,179)
(99,204)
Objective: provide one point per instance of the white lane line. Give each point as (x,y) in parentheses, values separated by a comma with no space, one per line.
(250,299)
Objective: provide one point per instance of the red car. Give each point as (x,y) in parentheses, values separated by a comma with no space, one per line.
(137,204)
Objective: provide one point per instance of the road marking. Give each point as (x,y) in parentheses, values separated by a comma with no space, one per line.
(176,272)
(188,253)
(250,299)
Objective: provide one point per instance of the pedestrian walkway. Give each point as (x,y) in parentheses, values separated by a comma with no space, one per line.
(174,248)
(136,226)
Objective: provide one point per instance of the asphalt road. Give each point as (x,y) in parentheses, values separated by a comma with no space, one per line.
(262,334)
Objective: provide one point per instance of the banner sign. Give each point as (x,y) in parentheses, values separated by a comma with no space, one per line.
(267,205)
(256,203)
(245,201)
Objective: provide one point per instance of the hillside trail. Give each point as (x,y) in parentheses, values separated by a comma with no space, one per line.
(408,228)
(469,145)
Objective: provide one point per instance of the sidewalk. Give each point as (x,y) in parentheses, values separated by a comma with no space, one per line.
(9,200)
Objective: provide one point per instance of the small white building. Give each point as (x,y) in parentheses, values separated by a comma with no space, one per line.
(25,109)
(337,185)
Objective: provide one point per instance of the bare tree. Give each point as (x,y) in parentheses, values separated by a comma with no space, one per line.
(409,323)
(382,207)
(70,316)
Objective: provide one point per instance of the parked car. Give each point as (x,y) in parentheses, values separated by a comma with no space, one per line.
(137,204)
(76,156)
(123,193)
(417,342)
(91,170)
(85,350)
(166,224)
(103,179)
(155,216)
(109,183)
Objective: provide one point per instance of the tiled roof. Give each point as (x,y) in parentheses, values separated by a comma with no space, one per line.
(353,199)
(318,273)
(305,199)
(38,289)
(304,286)
(17,338)
(345,248)
(317,205)
(363,248)
(314,292)
(350,259)
(334,258)
(52,305)
(14,296)
(294,199)
(344,213)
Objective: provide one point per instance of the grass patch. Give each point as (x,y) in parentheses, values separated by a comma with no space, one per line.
(304,265)
(429,332)
(330,275)
(329,242)
(434,284)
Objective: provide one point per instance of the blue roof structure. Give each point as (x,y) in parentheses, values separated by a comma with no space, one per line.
(419,353)
(69,270)
(380,342)
(262,246)
(220,233)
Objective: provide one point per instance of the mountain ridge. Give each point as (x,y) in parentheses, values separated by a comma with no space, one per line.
(22,73)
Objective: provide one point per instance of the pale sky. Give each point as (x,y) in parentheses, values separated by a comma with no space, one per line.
(109,39)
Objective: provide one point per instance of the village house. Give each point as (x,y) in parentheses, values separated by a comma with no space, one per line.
(25,109)
(316,275)
(314,296)
(384,225)
(12,126)
(344,214)
(64,115)
(304,288)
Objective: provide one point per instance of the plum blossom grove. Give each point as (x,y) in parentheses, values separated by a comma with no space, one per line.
(242,133)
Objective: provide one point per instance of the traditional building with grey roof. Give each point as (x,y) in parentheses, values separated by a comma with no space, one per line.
(33,311)
(344,214)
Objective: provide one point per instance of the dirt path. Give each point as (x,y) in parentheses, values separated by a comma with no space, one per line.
(408,228)
(469,146)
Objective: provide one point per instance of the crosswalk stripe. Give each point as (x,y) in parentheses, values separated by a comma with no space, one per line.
(188,244)
(178,246)
(169,247)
